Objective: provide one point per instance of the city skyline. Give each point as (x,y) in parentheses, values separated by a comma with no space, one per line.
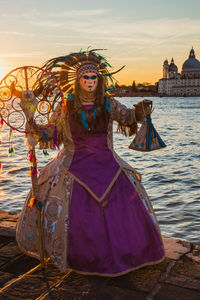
(138,35)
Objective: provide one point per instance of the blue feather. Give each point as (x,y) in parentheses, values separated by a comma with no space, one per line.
(107,104)
(84,120)
(69,96)
(94,113)
(45,136)
(109,90)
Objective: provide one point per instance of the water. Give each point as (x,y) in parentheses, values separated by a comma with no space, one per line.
(171,175)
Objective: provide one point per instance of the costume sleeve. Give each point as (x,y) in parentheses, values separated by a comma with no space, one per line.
(125,117)
(120,113)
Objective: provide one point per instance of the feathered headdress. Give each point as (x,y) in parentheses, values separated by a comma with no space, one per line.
(66,68)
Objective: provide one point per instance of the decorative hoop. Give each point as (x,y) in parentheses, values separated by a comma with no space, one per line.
(23,79)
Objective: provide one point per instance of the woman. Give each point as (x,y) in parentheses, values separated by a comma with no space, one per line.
(97,218)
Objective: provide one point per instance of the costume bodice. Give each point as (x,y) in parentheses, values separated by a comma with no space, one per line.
(92,139)
(92,157)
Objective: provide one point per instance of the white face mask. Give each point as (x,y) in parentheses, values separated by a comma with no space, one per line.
(89,81)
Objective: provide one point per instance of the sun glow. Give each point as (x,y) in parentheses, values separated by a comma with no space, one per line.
(1,72)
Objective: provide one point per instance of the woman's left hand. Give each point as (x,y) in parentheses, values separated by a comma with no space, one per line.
(28,104)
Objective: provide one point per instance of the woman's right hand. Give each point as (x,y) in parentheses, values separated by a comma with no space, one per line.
(142,109)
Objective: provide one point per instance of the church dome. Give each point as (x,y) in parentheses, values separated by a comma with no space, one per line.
(191,64)
(172,67)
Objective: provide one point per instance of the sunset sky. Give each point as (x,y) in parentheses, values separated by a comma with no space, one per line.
(139,34)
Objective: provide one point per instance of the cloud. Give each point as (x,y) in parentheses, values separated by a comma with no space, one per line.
(23,55)
(72,20)
(79,13)
(17,33)
(31,13)
(139,38)
(71,44)
(35,14)
(160,28)
(48,24)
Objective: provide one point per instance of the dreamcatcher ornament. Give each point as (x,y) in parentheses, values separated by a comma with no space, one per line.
(27,104)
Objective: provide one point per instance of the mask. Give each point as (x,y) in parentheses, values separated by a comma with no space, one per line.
(89,81)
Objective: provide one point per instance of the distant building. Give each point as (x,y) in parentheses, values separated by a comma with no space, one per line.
(186,83)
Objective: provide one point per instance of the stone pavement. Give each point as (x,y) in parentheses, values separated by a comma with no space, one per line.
(21,277)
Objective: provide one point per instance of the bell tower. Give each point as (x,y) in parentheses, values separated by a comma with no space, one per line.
(165,68)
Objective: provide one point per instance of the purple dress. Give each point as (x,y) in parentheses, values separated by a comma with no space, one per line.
(109,229)
(123,236)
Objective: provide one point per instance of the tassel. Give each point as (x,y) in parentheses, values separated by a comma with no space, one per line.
(29,174)
(31,158)
(127,130)
(35,172)
(32,202)
(45,153)
(11,150)
(45,136)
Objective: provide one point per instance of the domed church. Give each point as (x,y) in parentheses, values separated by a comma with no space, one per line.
(186,83)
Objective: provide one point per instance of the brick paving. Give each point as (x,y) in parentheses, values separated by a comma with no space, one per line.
(21,277)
